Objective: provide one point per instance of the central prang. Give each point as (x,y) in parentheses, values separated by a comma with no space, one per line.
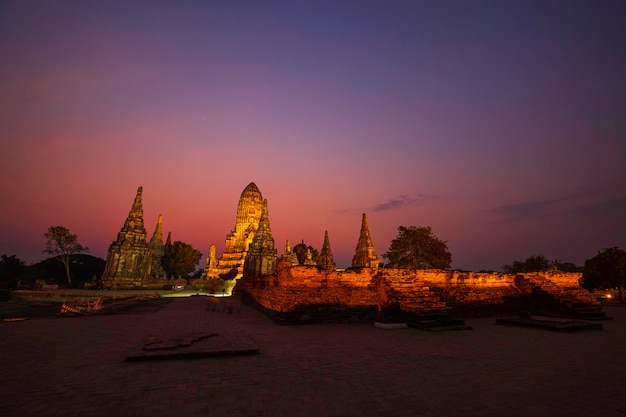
(231,262)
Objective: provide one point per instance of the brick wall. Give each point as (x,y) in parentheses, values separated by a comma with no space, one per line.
(416,291)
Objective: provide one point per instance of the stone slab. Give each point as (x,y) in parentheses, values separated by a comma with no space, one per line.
(390,326)
(194,345)
(553,324)
(448,327)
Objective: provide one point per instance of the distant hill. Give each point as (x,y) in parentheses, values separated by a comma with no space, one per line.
(82,269)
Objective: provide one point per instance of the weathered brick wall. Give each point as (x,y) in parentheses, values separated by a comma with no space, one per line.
(469,287)
(415,291)
(563,279)
(562,286)
(308,285)
(410,290)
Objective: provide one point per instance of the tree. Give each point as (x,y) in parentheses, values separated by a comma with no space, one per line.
(63,244)
(180,259)
(536,263)
(558,265)
(11,270)
(606,270)
(539,263)
(418,248)
(300,250)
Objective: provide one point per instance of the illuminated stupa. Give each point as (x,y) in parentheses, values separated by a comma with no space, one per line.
(289,257)
(231,262)
(326,260)
(365,256)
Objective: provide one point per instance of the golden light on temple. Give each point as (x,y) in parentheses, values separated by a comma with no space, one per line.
(313,289)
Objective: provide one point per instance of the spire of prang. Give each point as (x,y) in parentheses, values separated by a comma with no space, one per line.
(365,256)
(127,257)
(133,232)
(239,240)
(263,239)
(262,256)
(326,260)
(211,260)
(211,263)
(157,250)
(137,204)
(157,236)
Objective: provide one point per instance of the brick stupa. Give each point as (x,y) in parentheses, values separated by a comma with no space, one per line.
(326,260)
(289,257)
(365,256)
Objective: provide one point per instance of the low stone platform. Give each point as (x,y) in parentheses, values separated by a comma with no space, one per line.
(550,323)
(194,345)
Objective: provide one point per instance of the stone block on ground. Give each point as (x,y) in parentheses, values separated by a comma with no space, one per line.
(194,345)
(550,323)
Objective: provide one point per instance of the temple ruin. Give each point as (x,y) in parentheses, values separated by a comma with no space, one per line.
(131,260)
(156,249)
(231,262)
(365,254)
(326,260)
(318,291)
(289,256)
(292,292)
(261,257)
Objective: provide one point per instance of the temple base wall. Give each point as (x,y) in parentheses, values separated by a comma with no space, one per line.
(302,285)
(302,288)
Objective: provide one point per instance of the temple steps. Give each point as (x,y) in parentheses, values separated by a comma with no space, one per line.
(579,302)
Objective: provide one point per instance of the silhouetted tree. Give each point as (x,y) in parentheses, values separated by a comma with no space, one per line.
(536,263)
(606,270)
(540,263)
(418,248)
(566,266)
(300,250)
(63,244)
(11,270)
(180,259)
(84,268)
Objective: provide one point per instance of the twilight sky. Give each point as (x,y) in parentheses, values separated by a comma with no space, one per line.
(500,124)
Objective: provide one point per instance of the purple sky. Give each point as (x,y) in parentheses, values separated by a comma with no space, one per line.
(500,124)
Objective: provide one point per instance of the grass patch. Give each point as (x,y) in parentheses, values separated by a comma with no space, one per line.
(39,309)
(21,308)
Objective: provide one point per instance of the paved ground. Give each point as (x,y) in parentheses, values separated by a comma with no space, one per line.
(75,367)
